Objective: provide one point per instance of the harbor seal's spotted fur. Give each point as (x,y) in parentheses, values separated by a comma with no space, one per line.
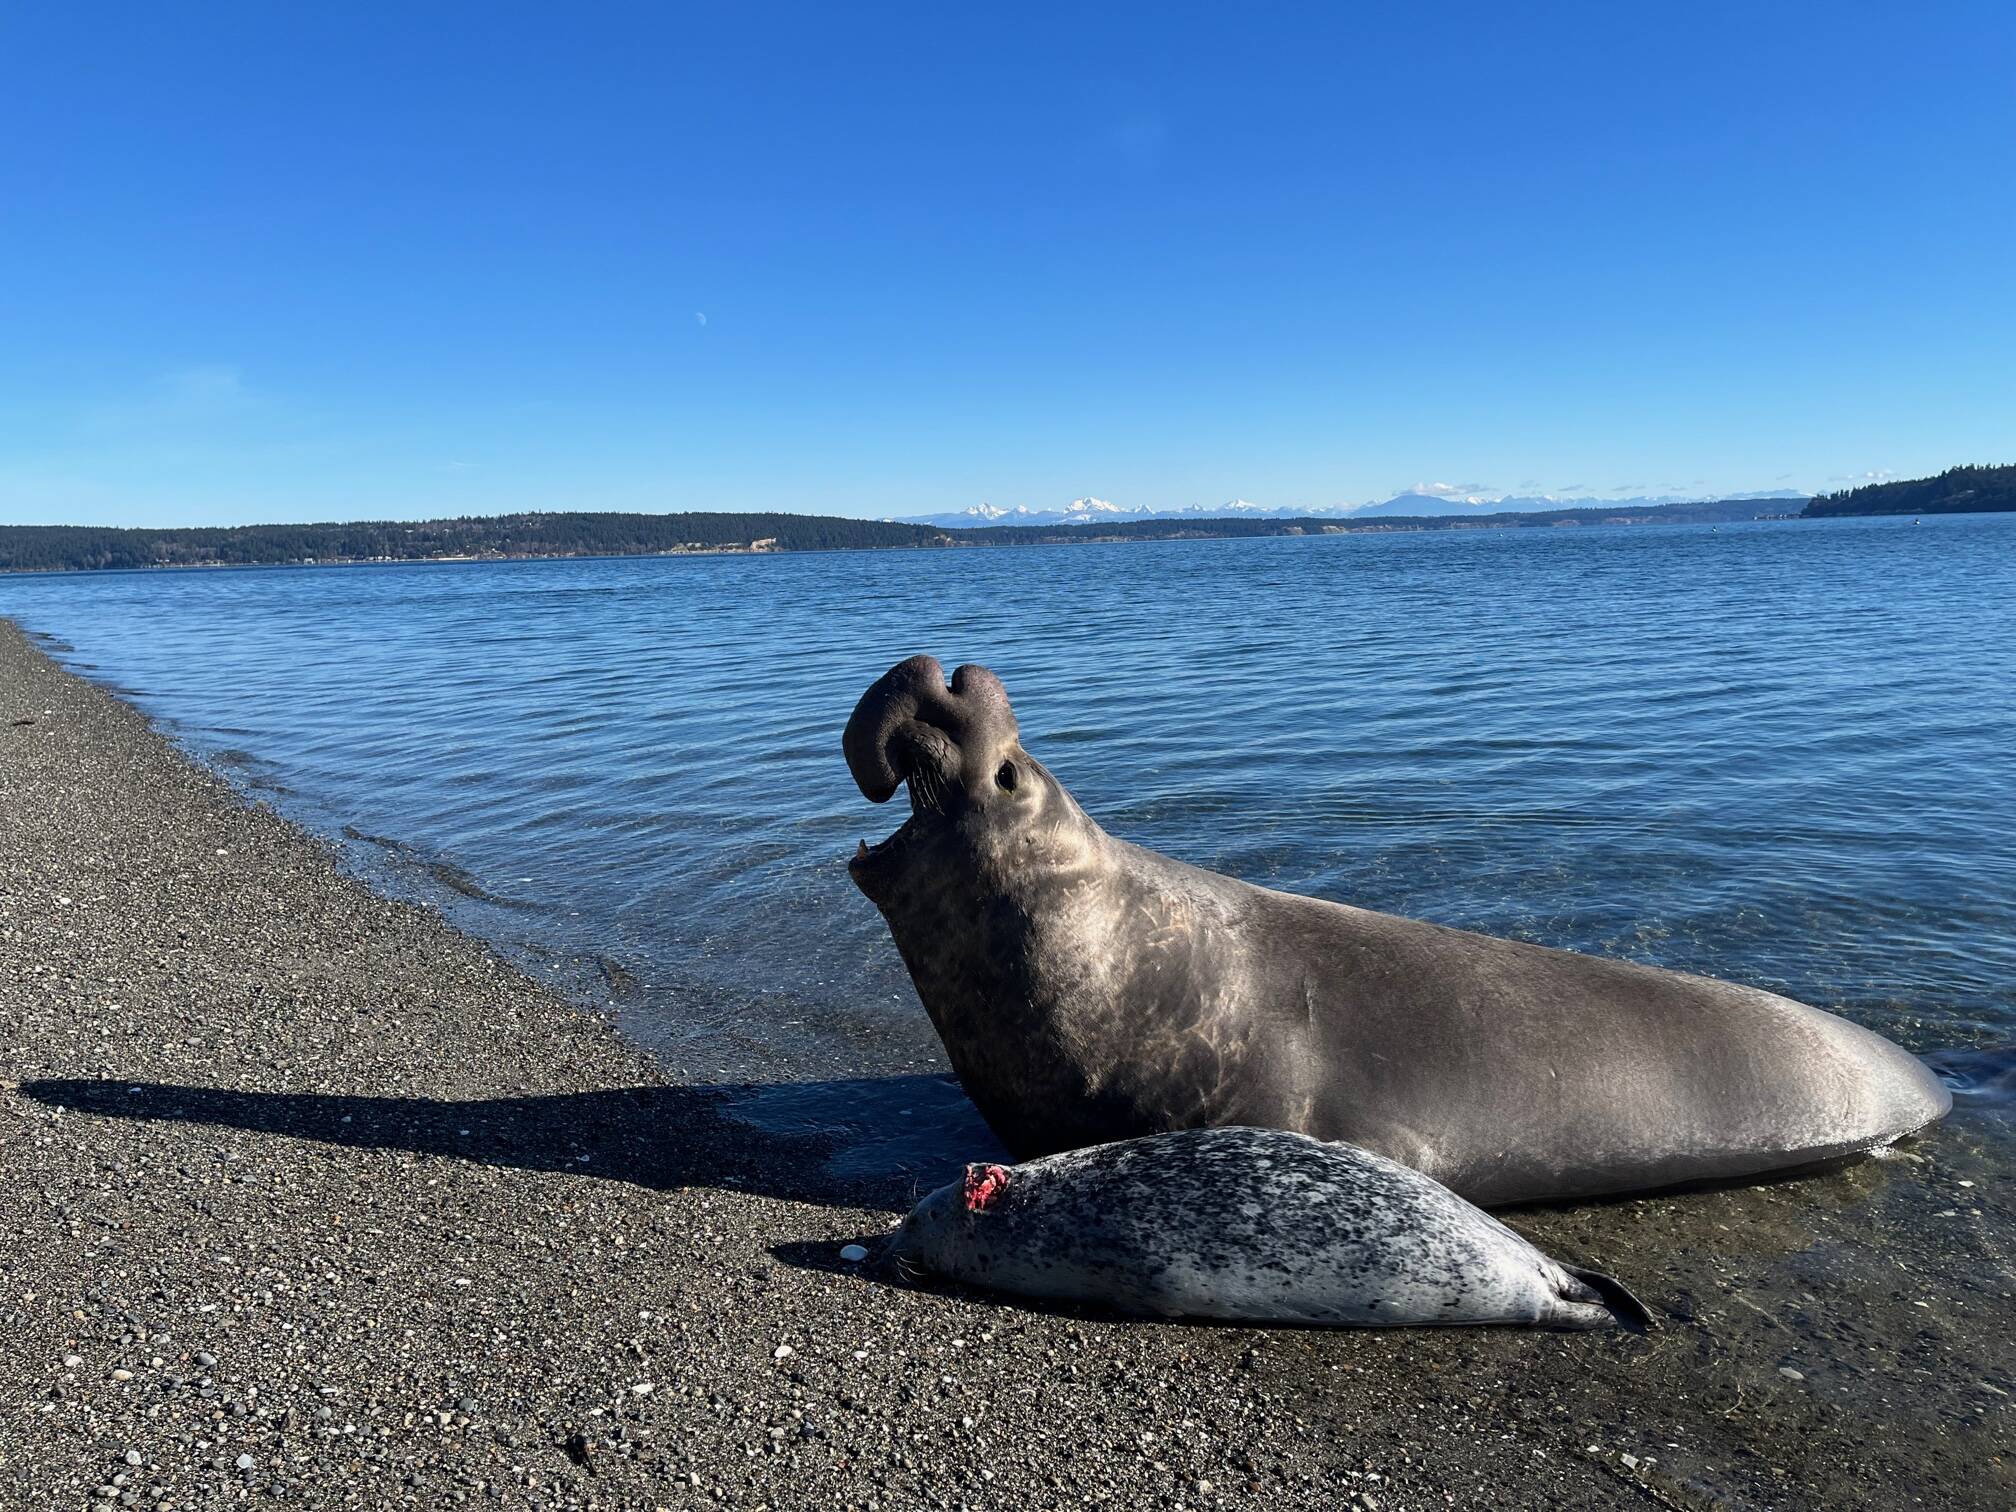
(1089,990)
(1249,1226)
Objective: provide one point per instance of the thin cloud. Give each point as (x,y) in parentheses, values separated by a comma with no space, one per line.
(701,316)
(1449,490)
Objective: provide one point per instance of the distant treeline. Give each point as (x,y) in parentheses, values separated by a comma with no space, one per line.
(1958,490)
(59,547)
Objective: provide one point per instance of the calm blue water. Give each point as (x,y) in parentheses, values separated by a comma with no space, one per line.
(1779,753)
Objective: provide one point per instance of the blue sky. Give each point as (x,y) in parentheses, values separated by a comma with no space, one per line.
(281,263)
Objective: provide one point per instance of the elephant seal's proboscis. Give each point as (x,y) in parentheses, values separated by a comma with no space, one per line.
(1088,990)
(1247,1226)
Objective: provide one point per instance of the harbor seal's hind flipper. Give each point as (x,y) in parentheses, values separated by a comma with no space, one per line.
(1614,1297)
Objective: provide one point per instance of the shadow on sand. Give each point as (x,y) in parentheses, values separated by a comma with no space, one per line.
(864,1141)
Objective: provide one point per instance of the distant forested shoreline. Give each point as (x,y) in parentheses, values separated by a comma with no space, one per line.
(58,548)
(1958,490)
(75,548)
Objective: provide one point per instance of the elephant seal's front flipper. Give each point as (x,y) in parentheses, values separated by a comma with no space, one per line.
(1088,990)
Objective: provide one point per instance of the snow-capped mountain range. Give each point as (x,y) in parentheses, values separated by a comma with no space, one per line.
(1415,503)
(1022,514)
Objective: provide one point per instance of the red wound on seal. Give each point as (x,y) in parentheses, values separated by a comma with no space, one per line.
(984,1185)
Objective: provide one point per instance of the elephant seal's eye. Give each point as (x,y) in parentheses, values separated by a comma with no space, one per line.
(1006,776)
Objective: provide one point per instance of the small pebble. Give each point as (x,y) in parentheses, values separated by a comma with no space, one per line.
(782,1352)
(133,1457)
(246,1462)
(71,1362)
(853,1254)
(1790,1374)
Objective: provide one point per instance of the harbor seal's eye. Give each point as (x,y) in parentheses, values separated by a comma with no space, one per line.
(1006,776)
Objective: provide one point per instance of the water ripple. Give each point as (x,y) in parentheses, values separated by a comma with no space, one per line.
(1779,753)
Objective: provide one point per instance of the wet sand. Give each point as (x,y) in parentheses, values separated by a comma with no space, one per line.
(311,1198)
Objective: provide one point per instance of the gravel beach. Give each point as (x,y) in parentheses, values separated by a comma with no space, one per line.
(309,1198)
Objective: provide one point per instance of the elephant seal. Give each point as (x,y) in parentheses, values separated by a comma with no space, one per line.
(1088,990)
(1247,1226)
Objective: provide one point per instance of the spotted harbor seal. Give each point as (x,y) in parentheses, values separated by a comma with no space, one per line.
(1088,990)
(1247,1226)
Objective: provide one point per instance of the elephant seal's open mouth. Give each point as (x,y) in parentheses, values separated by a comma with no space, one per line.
(886,851)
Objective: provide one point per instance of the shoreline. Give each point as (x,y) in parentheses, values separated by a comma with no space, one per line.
(329,1203)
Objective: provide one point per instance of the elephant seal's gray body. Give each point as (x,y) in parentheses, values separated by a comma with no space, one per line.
(1247,1226)
(1088,990)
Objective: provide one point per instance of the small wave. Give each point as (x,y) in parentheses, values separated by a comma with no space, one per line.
(621,980)
(460,879)
(351,832)
(456,878)
(1983,1077)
